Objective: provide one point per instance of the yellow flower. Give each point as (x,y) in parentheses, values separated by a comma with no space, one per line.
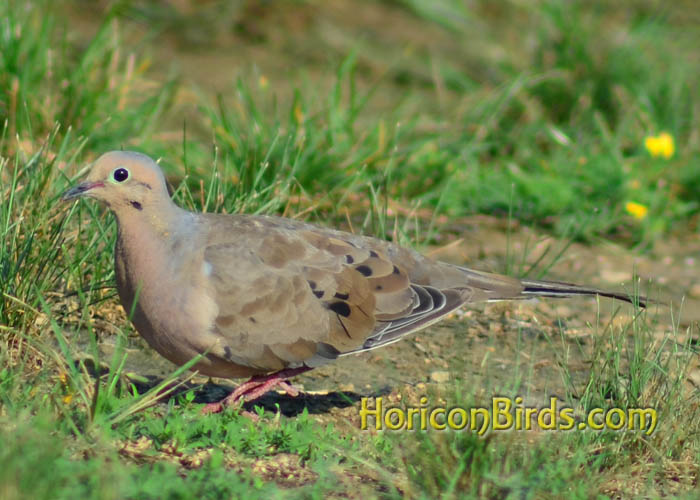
(263,82)
(67,399)
(660,145)
(636,210)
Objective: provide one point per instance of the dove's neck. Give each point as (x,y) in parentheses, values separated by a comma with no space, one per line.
(154,241)
(156,220)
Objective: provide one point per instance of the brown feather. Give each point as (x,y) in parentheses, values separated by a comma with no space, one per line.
(256,294)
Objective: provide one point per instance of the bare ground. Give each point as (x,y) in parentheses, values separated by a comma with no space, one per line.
(487,344)
(522,348)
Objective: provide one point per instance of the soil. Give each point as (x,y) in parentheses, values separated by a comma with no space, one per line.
(487,346)
(488,343)
(483,350)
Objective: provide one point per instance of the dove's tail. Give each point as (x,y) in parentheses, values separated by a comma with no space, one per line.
(558,289)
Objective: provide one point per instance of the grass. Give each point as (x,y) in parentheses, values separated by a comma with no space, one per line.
(400,139)
(629,371)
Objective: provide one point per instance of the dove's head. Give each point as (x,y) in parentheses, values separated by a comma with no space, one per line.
(124,180)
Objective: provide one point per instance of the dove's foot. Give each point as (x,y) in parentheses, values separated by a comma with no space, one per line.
(257,387)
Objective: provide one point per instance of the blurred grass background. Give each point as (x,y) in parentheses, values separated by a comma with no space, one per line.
(541,108)
(395,116)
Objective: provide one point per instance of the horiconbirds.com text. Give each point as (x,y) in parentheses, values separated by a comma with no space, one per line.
(503,414)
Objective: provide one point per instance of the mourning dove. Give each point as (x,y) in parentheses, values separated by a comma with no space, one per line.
(270,297)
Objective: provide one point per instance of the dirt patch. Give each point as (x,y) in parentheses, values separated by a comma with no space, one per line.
(485,344)
(535,349)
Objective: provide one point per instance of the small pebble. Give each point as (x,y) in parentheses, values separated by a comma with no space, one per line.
(440,376)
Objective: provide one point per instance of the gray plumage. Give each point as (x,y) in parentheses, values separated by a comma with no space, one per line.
(260,294)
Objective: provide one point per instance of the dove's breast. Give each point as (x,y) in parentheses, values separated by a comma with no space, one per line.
(162,285)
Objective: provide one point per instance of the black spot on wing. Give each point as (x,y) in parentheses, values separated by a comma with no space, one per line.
(136,205)
(364,270)
(341,296)
(349,259)
(340,308)
(312,284)
(318,293)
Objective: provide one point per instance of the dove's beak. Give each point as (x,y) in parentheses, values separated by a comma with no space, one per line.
(80,190)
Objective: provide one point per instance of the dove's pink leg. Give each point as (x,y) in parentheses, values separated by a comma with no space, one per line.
(256,387)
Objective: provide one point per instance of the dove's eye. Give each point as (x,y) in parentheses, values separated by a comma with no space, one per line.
(120,174)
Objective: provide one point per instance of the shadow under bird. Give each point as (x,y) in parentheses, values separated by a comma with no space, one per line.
(269,297)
